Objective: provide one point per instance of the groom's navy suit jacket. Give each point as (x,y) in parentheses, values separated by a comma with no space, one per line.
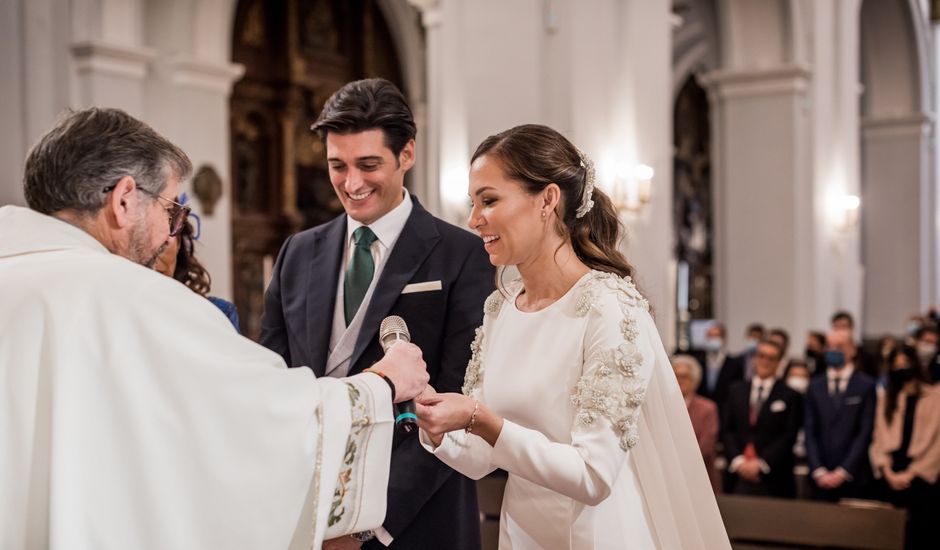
(429,504)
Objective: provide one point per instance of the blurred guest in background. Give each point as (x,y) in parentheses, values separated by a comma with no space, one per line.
(797,375)
(925,345)
(864,361)
(886,345)
(914,324)
(754,334)
(760,423)
(721,369)
(782,338)
(702,412)
(905,449)
(815,347)
(839,414)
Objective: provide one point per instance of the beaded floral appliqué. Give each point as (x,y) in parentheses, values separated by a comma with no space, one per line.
(614,389)
(493,303)
(585,303)
(472,378)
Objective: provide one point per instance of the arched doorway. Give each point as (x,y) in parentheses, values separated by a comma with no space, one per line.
(692,209)
(296,53)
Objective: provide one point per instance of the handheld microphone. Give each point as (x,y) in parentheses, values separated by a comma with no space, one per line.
(392,331)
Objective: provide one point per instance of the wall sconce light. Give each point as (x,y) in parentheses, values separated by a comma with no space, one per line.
(632,187)
(847,207)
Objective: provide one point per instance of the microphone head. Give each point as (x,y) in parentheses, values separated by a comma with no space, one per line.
(392,330)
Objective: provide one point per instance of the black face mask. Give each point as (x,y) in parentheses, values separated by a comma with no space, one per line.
(899,377)
(809,353)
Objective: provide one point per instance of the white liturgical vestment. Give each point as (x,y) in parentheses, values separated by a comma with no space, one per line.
(133,416)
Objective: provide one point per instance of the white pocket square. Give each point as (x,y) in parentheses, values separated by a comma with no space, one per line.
(778,406)
(422,287)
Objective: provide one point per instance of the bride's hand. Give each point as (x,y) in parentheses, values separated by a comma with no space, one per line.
(440,413)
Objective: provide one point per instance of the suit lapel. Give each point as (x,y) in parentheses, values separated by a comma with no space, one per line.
(839,401)
(772,396)
(417,239)
(827,400)
(324,270)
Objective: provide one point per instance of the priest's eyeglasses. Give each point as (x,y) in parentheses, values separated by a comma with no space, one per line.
(176,212)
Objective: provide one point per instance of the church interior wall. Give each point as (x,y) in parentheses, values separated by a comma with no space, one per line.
(793,125)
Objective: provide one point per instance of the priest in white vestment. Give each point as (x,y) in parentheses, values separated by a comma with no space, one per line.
(131,413)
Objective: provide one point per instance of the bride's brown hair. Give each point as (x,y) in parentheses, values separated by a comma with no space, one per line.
(536,156)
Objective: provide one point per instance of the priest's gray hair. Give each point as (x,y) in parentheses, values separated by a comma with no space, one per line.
(695,368)
(91,150)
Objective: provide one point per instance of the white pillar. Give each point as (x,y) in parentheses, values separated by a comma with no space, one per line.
(111,75)
(193,112)
(932,220)
(12,138)
(427,114)
(762,272)
(109,59)
(642,104)
(835,88)
(896,202)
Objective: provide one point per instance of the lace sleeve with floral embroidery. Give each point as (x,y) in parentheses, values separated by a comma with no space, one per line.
(611,386)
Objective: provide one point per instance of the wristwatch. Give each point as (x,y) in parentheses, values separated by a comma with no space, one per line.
(363,536)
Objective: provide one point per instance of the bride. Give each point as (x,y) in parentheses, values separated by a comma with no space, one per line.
(569,388)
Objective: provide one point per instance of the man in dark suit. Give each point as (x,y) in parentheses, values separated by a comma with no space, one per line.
(721,370)
(864,361)
(760,423)
(840,415)
(333,284)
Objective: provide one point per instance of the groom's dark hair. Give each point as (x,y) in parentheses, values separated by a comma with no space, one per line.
(370,104)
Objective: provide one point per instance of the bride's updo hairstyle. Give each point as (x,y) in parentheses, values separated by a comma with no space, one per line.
(536,156)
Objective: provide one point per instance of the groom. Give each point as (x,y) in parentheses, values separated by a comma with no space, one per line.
(333,284)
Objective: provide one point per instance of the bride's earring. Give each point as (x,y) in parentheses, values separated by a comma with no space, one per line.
(544,215)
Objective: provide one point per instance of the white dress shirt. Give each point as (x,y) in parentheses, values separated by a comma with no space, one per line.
(760,387)
(387,229)
(841,376)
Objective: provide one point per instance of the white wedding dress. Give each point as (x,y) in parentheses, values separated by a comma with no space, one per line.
(597,440)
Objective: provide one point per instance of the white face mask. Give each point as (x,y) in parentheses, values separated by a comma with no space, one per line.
(713,344)
(926,351)
(798,383)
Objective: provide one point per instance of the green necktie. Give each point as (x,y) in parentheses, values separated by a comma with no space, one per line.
(359,273)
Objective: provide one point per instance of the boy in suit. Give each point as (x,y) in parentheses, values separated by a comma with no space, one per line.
(333,284)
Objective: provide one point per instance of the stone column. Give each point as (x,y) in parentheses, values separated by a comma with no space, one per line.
(197,117)
(896,245)
(763,252)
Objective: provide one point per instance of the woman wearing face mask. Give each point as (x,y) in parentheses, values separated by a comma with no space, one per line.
(569,388)
(905,449)
(926,341)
